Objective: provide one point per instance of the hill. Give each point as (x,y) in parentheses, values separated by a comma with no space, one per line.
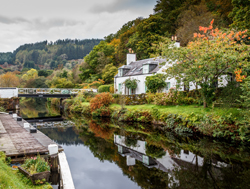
(46,54)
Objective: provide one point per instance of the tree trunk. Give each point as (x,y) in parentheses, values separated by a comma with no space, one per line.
(204,103)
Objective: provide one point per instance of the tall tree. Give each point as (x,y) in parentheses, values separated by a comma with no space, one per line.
(210,56)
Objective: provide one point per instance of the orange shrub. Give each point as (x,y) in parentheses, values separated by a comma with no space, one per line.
(100,100)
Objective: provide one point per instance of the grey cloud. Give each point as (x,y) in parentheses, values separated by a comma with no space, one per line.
(54,23)
(119,5)
(6,20)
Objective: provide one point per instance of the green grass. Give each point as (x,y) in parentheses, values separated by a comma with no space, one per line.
(183,109)
(15,180)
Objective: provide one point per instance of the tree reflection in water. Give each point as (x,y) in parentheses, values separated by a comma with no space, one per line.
(154,159)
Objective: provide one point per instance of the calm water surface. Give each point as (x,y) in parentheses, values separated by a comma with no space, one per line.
(103,154)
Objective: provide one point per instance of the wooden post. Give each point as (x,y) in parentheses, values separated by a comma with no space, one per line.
(54,163)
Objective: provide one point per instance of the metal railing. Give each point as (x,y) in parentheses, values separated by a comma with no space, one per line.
(52,91)
(56,124)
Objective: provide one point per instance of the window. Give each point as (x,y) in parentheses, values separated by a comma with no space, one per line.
(146,88)
(130,92)
(119,72)
(119,88)
(145,69)
(168,86)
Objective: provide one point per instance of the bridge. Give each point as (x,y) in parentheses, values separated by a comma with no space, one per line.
(41,92)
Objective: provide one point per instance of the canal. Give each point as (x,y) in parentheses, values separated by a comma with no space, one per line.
(106,154)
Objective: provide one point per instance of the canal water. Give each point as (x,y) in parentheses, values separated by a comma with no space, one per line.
(106,154)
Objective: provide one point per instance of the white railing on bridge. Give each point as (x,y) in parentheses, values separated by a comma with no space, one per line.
(54,124)
(52,91)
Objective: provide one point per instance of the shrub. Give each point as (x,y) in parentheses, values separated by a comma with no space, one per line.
(104,88)
(111,89)
(173,97)
(100,100)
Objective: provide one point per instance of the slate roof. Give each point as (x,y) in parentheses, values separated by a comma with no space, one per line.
(136,67)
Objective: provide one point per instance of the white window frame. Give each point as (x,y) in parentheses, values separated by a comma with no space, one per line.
(168,86)
(146,68)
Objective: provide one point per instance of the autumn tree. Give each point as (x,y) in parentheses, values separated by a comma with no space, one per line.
(9,80)
(189,21)
(214,53)
(108,73)
(31,74)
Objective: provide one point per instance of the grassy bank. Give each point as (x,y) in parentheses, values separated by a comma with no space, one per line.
(15,180)
(219,122)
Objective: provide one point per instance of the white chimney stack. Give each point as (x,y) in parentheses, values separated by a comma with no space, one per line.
(131,58)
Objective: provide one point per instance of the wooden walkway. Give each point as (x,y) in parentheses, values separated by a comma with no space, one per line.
(17,141)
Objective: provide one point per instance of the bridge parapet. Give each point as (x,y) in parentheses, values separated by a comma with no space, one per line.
(52,91)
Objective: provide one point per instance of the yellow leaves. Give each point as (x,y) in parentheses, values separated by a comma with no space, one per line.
(115,42)
(9,80)
(31,74)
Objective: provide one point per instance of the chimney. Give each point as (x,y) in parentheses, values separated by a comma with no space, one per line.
(131,57)
(177,42)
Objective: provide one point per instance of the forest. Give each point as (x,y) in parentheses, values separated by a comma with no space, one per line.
(171,17)
(47,55)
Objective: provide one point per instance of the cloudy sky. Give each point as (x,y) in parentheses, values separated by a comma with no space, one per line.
(30,21)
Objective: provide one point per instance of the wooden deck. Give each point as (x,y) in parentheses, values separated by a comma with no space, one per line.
(16,141)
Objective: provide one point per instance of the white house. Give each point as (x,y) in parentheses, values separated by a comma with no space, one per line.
(140,69)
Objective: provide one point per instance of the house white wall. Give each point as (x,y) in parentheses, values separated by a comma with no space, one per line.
(141,85)
(8,92)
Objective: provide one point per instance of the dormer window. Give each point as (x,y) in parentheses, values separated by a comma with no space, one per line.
(149,66)
(123,71)
(120,72)
(145,68)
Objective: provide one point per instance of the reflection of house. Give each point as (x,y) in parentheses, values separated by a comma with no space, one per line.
(166,163)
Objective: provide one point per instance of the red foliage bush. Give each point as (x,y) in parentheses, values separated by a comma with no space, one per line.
(101,100)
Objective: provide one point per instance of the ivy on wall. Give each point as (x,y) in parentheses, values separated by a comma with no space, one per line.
(131,83)
(156,82)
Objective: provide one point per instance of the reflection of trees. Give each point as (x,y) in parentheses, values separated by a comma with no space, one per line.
(35,107)
(101,148)
(208,176)
(105,150)
(66,136)
(102,131)
(188,174)
(154,151)
(130,142)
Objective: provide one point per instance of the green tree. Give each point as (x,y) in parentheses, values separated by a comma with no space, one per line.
(97,59)
(240,14)
(149,31)
(39,82)
(205,60)
(58,82)
(108,73)
(31,74)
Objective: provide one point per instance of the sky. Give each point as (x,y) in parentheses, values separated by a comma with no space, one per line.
(30,21)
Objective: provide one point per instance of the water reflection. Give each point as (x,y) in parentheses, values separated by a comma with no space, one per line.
(36,107)
(103,154)
(106,154)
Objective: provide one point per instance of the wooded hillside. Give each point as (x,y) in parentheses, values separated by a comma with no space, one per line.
(48,54)
(171,17)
